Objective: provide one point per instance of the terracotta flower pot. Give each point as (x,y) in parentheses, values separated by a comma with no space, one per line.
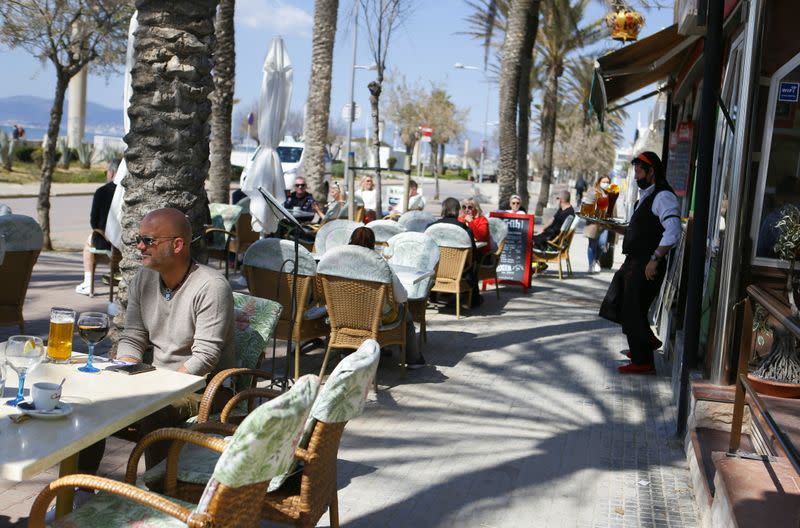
(774,388)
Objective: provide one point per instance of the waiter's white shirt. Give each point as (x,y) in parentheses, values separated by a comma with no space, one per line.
(666,208)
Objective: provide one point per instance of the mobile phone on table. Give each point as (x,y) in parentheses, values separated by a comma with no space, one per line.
(135,368)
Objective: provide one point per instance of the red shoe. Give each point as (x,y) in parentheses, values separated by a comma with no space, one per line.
(637,368)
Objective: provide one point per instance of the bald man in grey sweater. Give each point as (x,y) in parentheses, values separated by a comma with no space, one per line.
(180,311)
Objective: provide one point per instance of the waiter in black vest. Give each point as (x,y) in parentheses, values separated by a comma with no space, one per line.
(654,228)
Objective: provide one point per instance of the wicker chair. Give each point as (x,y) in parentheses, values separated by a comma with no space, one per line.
(112,256)
(357,282)
(384,230)
(245,236)
(22,239)
(299,496)
(267,268)
(334,234)
(420,251)
(455,257)
(220,233)
(417,221)
(487,268)
(231,498)
(558,248)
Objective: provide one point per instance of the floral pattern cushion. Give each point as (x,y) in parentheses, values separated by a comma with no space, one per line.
(21,233)
(417,250)
(385,229)
(449,235)
(417,221)
(255,320)
(355,262)
(106,510)
(264,443)
(277,255)
(334,234)
(342,397)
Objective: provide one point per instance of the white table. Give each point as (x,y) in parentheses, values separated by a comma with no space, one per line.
(103,404)
(481,244)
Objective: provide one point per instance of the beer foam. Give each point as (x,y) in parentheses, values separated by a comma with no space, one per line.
(62,318)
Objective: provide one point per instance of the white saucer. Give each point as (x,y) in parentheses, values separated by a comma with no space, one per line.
(61,409)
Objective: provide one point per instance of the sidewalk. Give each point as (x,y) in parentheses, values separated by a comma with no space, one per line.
(520,420)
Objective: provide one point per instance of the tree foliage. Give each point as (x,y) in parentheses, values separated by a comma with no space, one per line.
(70,35)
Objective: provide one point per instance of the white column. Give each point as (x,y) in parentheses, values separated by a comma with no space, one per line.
(76,109)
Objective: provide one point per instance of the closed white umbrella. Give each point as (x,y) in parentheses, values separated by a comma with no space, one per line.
(264,168)
(114,220)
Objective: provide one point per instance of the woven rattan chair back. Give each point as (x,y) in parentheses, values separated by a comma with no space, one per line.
(22,241)
(262,268)
(334,234)
(455,257)
(385,229)
(417,221)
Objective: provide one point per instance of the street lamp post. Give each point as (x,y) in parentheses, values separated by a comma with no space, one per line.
(485,142)
(349,159)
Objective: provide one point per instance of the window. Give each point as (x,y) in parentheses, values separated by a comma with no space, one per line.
(779,174)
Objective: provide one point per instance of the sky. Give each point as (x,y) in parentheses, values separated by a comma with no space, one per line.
(424,49)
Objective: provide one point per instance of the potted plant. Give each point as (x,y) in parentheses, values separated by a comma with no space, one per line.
(779,372)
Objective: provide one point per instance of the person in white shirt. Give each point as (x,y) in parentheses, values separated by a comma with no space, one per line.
(515,202)
(416,202)
(654,228)
(367,193)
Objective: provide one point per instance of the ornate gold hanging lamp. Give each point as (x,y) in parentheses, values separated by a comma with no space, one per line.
(623,22)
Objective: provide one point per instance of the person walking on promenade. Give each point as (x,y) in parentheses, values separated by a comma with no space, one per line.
(580,188)
(654,228)
(595,234)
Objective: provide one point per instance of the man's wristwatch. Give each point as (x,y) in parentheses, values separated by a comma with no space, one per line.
(655,258)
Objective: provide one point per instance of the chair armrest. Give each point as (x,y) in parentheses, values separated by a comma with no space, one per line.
(179,437)
(212,229)
(249,395)
(304,455)
(216,382)
(122,489)
(226,429)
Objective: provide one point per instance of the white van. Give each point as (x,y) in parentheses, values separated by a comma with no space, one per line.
(290,153)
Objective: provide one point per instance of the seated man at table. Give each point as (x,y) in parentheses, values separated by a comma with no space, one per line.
(302,199)
(179,317)
(552,229)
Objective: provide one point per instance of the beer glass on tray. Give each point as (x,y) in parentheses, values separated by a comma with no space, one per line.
(93,328)
(59,343)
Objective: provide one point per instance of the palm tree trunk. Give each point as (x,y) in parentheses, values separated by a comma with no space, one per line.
(524,115)
(509,95)
(549,115)
(319,95)
(167,154)
(434,168)
(375,88)
(222,103)
(49,158)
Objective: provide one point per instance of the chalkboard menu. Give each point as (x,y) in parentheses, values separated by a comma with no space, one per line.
(515,260)
(679,163)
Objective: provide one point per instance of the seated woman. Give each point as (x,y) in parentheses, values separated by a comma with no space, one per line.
(515,202)
(337,207)
(450,210)
(364,237)
(472,217)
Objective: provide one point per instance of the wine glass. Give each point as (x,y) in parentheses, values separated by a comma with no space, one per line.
(93,328)
(23,352)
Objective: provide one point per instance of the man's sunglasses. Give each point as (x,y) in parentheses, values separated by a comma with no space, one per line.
(150,240)
(300,185)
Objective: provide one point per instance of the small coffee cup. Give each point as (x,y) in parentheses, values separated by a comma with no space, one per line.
(45,395)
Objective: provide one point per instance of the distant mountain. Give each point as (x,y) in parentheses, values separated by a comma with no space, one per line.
(32,112)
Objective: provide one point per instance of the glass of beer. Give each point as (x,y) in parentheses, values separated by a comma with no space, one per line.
(62,326)
(602,205)
(588,205)
(613,194)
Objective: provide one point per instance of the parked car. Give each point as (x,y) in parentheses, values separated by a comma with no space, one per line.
(290,153)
